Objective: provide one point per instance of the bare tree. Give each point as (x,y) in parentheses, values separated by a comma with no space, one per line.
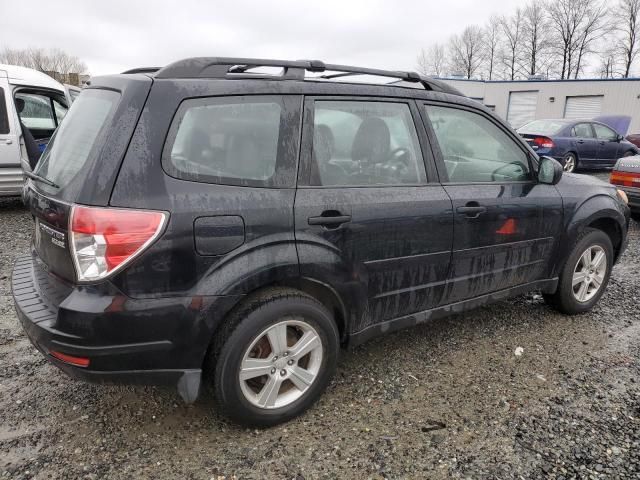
(595,25)
(628,15)
(492,36)
(565,18)
(608,63)
(53,60)
(535,38)
(432,61)
(512,28)
(466,51)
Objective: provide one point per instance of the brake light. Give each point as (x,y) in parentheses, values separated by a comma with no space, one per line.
(543,142)
(103,240)
(625,179)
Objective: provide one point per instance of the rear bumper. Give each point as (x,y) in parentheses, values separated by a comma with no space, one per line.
(11,181)
(634,197)
(159,341)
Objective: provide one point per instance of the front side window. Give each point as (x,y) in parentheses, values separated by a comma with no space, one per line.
(475,149)
(35,111)
(604,133)
(362,143)
(582,130)
(230,140)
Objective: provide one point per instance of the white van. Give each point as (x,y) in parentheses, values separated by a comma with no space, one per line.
(32,104)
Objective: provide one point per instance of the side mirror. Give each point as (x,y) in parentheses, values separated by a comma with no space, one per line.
(549,171)
(619,138)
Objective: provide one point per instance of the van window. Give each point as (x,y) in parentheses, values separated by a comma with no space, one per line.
(4,119)
(230,140)
(71,145)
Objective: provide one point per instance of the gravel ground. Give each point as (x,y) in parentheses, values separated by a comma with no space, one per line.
(447,400)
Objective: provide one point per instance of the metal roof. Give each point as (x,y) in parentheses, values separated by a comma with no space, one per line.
(28,77)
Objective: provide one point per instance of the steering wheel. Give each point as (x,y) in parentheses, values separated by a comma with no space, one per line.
(519,170)
(401,155)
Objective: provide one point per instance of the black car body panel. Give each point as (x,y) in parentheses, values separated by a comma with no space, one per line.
(390,256)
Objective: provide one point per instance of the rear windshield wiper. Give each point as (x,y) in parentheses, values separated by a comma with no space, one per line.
(38,178)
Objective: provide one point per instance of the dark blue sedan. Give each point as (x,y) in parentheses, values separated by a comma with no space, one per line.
(577,144)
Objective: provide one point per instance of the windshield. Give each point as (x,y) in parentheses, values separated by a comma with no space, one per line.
(542,127)
(72,143)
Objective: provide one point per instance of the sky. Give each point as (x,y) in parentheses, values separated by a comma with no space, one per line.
(115,35)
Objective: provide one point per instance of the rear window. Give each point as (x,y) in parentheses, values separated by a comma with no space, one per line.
(542,127)
(230,140)
(77,136)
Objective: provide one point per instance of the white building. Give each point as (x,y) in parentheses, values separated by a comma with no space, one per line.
(522,101)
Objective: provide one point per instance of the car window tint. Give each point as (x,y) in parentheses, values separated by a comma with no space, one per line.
(227,140)
(36,112)
(4,118)
(475,149)
(604,133)
(582,130)
(365,143)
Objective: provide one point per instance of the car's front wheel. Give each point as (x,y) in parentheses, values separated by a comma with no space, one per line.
(585,274)
(570,162)
(278,353)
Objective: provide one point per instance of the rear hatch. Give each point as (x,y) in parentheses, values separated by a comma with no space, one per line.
(80,164)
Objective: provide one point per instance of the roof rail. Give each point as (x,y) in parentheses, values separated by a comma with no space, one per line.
(228,67)
(142,70)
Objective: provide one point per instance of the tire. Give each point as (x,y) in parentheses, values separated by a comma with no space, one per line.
(244,339)
(635,216)
(566,298)
(570,162)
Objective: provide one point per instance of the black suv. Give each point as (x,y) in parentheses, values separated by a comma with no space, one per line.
(218,216)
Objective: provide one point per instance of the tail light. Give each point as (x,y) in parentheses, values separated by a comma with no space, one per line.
(103,240)
(625,179)
(543,142)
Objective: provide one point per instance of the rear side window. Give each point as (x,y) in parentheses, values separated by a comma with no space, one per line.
(582,130)
(77,136)
(365,143)
(237,140)
(4,119)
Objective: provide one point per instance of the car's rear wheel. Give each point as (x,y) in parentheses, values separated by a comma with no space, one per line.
(275,357)
(585,274)
(570,162)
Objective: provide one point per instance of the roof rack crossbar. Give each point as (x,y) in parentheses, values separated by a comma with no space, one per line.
(228,67)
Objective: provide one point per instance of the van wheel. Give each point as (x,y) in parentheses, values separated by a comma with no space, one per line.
(585,274)
(570,162)
(277,354)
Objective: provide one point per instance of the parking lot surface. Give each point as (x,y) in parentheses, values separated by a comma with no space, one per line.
(450,399)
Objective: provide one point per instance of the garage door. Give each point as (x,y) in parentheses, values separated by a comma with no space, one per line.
(587,106)
(522,108)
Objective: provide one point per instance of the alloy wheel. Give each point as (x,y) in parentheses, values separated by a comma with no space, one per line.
(281,364)
(589,273)
(569,163)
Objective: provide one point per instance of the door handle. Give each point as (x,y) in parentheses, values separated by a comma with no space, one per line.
(580,141)
(330,219)
(8,141)
(471,211)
